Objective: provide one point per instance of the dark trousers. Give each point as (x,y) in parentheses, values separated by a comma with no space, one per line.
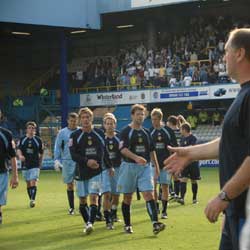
(230,234)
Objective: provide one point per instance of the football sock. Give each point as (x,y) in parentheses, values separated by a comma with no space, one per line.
(138,195)
(164,206)
(126,214)
(29,192)
(157,206)
(152,210)
(194,190)
(70,194)
(99,204)
(84,210)
(107,216)
(183,189)
(114,211)
(160,193)
(92,213)
(177,187)
(33,191)
(171,187)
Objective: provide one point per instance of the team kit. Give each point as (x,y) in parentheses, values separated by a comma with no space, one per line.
(100,164)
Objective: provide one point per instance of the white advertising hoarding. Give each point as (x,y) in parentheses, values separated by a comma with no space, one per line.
(212,92)
(180,94)
(225,91)
(115,98)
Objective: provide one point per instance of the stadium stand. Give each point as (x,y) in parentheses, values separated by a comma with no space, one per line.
(188,58)
(206,133)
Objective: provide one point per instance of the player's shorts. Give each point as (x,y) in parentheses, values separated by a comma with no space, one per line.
(164,177)
(132,176)
(68,171)
(114,181)
(90,186)
(109,183)
(106,185)
(192,171)
(31,174)
(3,188)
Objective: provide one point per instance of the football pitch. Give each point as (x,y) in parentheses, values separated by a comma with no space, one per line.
(49,227)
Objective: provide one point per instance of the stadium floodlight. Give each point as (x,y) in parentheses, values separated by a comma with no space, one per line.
(78,31)
(21,33)
(124,26)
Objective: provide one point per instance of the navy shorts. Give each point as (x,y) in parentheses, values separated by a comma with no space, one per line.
(192,171)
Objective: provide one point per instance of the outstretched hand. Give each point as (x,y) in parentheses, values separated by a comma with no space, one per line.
(176,162)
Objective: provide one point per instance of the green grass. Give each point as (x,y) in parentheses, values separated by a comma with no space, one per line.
(48,227)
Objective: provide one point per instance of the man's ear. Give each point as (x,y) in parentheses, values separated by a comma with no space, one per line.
(240,54)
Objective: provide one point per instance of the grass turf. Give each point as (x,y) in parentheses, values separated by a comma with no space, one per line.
(48,227)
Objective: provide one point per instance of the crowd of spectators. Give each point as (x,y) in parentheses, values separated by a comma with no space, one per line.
(194,56)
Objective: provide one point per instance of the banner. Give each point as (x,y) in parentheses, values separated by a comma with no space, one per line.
(209,163)
(211,92)
(115,98)
(225,91)
(180,94)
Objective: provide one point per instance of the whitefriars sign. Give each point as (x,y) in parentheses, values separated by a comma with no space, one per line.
(114,98)
(222,91)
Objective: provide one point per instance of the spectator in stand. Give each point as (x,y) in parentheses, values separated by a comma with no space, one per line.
(151,74)
(123,81)
(216,68)
(169,71)
(193,56)
(133,82)
(203,117)
(127,80)
(216,118)
(203,74)
(211,76)
(162,75)
(205,40)
(196,75)
(146,77)
(187,81)
(173,82)
(221,66)
(221,45)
